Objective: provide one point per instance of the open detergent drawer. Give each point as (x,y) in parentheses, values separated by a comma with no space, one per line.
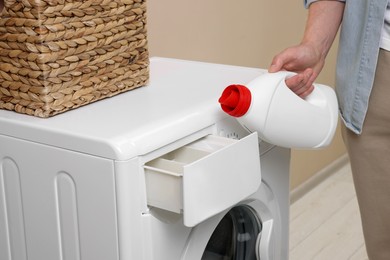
(205,177)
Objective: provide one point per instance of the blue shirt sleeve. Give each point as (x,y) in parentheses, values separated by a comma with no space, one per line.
(308,2)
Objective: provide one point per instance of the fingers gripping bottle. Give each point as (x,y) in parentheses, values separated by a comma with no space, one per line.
(281,117)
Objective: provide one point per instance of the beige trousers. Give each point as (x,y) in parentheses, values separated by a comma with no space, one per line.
(370,161)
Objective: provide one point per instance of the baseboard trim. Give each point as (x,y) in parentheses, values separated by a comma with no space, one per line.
(317,178)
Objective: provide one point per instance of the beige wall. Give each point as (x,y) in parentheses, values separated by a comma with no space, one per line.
(245,33)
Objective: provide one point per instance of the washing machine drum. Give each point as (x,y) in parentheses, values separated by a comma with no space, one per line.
(236,236)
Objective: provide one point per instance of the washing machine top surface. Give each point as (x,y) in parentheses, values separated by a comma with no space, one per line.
(180,99)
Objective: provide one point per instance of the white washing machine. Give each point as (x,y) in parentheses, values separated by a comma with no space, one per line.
(157,173)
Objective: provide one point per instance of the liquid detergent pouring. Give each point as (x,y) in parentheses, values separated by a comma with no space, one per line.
(280,117)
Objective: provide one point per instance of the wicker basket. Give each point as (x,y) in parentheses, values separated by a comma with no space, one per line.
(57,55)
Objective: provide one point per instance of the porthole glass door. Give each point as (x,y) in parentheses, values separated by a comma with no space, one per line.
(235,236)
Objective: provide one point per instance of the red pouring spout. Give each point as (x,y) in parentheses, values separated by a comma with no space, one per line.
(235,100)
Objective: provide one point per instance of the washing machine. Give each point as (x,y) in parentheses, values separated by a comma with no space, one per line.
(156,173)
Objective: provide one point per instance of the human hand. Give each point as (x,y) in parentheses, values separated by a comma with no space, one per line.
(302,59)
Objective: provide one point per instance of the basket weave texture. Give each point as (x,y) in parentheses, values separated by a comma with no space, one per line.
(57,55)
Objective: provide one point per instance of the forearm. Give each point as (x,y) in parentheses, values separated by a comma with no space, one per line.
(322,24)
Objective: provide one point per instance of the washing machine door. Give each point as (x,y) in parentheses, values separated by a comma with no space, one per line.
(236,237)
(248,231)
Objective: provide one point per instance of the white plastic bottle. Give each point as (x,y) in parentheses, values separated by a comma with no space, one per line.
(281,117)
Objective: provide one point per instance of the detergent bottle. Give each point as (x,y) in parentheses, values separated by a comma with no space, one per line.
(279,116)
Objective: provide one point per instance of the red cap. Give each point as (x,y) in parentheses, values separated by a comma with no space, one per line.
(235,100)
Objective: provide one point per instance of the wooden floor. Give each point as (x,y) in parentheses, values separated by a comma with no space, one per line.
(325,222)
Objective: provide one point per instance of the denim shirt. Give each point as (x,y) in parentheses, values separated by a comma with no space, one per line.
(357,57)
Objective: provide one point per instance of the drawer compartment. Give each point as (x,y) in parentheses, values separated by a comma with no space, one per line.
(205,177)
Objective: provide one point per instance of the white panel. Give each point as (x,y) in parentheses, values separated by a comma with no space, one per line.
(68,202)
(12,237)
(131,201)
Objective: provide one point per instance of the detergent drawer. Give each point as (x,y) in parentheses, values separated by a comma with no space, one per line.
(205,177)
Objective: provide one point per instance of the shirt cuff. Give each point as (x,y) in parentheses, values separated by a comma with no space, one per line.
(308,2)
